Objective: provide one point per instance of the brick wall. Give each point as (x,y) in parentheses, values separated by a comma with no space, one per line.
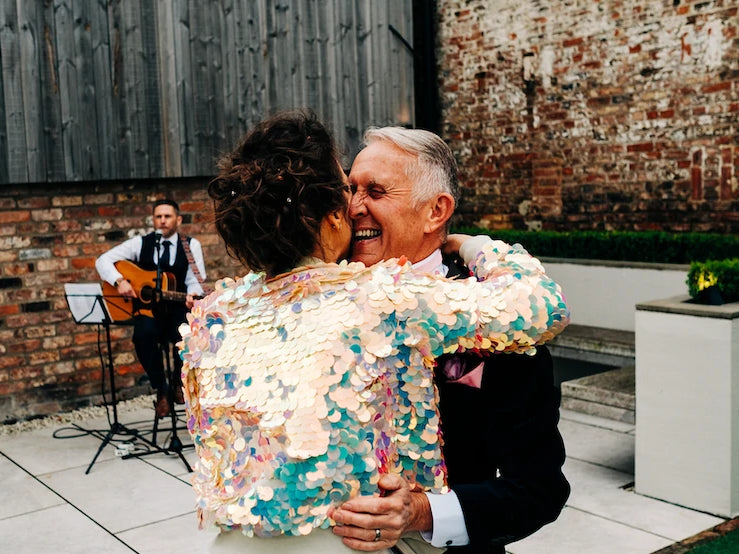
(51,235)
(610,114)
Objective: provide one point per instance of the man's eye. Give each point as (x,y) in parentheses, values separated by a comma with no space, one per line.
(375,193)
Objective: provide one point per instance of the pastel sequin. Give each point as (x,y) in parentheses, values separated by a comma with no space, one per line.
(302,390)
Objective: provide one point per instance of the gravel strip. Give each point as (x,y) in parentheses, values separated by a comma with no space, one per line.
(74,416)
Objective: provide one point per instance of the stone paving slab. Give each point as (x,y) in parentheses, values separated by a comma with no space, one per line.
(147,505)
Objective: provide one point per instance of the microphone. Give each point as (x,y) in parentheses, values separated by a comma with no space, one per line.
(158,236)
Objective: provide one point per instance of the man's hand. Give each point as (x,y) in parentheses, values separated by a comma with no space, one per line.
(401,509)
(126,289)
(189,301)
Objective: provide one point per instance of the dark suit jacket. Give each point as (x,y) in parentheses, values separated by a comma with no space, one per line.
(502,447)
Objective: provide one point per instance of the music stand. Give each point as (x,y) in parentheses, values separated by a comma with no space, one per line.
(86,303)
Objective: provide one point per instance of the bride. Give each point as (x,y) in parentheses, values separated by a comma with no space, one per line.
(310,377)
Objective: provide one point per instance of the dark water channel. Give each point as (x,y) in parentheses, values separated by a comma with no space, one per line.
(566,369)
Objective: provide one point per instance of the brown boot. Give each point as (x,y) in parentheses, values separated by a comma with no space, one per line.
(161,407)
(179,397)
(178,394)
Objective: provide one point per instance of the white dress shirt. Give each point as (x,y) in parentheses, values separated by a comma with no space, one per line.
(131,250)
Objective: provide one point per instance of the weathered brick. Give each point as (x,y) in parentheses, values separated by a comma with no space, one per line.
(24,346)
(67,225)
(55,264)
(20,320)
(19,295)
(59,368)
(37,279)
(40,331)
(86,338)
(80,212)
(34,202)
(12,361)
(52,214)
(64,201)
(105,198)
(15,216)
(34,254)
(79,263)
(9,309)
(56,343)
(33,228)
(66,251)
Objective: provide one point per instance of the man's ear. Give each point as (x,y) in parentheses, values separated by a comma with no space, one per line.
(440,210)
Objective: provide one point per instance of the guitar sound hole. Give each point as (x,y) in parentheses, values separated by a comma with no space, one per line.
(146,294)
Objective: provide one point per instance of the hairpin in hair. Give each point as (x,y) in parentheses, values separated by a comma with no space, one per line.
(233,193)
(289,200)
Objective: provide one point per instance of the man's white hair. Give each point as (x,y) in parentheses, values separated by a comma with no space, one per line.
(434,170)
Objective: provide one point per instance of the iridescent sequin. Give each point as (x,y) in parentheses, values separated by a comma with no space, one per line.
(302,390)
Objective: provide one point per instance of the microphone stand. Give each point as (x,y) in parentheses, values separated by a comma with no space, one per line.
(158,310)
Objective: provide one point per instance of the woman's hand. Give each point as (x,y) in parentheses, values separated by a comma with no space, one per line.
(453,243)
(401,509)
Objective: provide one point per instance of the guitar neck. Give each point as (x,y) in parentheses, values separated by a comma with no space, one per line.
(174,295)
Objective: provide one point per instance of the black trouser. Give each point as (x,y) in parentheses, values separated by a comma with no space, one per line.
(148,335)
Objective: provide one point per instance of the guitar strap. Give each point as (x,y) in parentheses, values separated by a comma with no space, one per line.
(191,261)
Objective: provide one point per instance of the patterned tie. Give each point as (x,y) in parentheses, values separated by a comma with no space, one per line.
(164,260)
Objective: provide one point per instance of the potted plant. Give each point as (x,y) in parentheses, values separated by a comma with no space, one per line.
(714,282)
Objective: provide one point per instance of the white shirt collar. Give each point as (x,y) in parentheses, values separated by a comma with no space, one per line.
(173,239)
(432,264)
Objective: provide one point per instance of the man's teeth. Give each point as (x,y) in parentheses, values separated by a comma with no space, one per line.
(367,233)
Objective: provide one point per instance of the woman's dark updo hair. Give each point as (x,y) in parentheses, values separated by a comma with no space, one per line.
(274,189)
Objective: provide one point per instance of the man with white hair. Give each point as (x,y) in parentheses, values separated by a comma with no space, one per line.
(499,414)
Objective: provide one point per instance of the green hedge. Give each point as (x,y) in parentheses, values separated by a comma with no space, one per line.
(723,274)
(633,246)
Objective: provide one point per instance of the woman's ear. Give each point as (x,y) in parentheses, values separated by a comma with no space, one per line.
(335,219)
(440,211)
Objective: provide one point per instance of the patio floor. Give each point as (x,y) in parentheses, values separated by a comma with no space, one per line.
(146,505)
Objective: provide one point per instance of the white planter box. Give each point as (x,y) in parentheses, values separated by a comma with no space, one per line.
(687,404)
(603,293)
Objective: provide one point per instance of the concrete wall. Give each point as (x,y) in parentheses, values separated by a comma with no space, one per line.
(604,294)
(687,404)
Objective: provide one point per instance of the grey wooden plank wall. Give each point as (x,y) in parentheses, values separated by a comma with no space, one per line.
(120,89)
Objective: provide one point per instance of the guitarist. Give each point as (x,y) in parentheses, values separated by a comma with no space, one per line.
(176,254)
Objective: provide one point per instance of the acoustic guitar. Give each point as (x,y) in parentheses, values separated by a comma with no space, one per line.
(123,309)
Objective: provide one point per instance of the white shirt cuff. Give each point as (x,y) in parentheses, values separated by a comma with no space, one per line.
(472,247)
(449,527)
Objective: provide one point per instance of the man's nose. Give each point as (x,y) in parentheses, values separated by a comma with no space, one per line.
(356,206)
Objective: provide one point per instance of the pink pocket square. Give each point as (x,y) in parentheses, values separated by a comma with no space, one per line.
(471,379)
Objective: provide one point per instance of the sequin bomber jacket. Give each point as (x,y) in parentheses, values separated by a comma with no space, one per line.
(303,389)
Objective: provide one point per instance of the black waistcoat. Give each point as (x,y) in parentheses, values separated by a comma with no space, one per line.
(179,269)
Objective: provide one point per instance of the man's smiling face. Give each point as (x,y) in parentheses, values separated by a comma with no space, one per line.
(386,224)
